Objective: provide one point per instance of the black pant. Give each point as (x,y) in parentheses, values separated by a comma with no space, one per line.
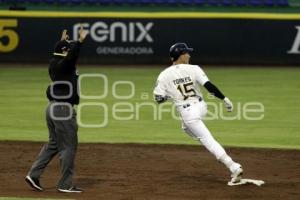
(62,140)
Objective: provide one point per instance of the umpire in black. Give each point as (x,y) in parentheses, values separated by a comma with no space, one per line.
(60,115)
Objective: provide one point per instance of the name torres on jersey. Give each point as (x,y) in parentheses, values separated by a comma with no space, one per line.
(182,80)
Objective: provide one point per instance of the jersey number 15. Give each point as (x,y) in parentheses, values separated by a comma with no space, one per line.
(186,90)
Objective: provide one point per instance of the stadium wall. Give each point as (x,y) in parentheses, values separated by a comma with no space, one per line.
(144,38)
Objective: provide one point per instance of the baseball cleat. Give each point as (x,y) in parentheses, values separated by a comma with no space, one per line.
(34,183)
(71,190)
(236,176)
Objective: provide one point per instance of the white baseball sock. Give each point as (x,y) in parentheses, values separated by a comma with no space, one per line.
(229,163)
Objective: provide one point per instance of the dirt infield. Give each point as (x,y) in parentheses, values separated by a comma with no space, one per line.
(159,172)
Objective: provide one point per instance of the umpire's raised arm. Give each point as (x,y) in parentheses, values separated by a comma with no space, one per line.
(75,45)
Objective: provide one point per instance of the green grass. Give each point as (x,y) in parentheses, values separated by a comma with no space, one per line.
(23,102)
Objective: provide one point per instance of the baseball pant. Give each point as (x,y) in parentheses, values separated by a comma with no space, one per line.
(192,114)
(62,141)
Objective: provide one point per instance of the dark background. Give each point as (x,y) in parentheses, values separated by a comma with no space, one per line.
(215,41)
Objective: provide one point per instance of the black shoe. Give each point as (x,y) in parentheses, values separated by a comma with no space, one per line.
(34,183)
(71,190)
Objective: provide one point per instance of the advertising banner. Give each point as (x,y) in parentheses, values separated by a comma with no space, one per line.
(142,39)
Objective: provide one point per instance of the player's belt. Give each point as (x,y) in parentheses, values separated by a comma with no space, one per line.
(188,104)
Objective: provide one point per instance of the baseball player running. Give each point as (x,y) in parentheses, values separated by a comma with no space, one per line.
(60,115)
(180,82)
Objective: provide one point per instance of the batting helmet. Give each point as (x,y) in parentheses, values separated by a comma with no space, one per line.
(178,49)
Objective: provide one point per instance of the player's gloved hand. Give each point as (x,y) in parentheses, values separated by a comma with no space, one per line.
(228,105)
(160,98)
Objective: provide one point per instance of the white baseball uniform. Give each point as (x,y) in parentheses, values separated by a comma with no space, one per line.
(181,83)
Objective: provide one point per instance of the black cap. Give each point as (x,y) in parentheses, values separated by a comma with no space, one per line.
(61,46)
(178,49)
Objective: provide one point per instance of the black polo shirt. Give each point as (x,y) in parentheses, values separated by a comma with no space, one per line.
(63,68)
